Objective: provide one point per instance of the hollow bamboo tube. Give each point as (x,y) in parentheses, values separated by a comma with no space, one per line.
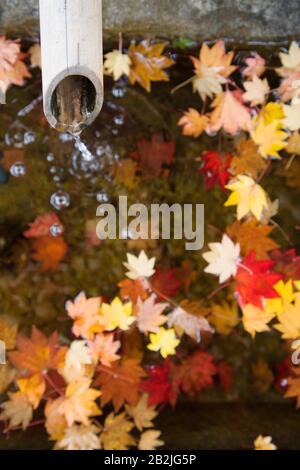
(72,62)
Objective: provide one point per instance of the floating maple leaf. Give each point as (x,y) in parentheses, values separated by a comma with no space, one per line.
(191,325)
(165,282)
(132,289)
(17,410)
(38,353)
(269,139)
(252,237)
(149,315)
(158,384)
(142,413)
(255,281)
(12,69)
(116,432)
(164,341)
(152,155)
(120,383)
(8,333)
(287,263)
(193,123)
(139,266)
(229,113)
(248,196)
(50,251)
(289,320)
(85,314)
(150,440)
(195,373)
(148,63)
(224,317)
(247,160)
(42,225)
(103,348)
(256,91)
(117,64)
(256,66)
(215,168)
(223,258)
(35,55)
(79,437)
(255,320)
(211,69)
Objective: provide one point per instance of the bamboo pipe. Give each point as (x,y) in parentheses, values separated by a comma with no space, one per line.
(72,62)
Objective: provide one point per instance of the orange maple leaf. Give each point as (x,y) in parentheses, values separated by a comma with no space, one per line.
(49,251)
(193,123)
(132,290)
(121,383)
(38,354)
(229,113)
(252,237)
(148,63)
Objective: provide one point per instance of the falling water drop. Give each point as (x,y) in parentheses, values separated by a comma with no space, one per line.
(56,230)
(118,91)
(18,169)
(119,120)
(60,200)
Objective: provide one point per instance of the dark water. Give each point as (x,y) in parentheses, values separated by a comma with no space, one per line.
(42,171)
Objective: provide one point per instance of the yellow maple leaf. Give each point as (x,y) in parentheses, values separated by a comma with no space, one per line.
(264,443)
(116,432)
(79,403)
(17,410)
(271,113)
(289,320)
(224,317)
(34,388)
(117,64)
(148,63)
(255,320)
(248,196)
(269,139)
(8,333)
(286,296)
(150,440)
(164,341)
(142,413)
(117,315)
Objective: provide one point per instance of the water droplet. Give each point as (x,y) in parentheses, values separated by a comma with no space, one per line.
(119,120)
(50,157)
(115,131)
(18,169)
(65,137)
(60,200)
(118,91)
(53,170)
(29,137)
(56,230)
(102,196)
(57,179)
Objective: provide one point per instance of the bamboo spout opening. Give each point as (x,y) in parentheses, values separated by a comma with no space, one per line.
(73,102)
(72,62)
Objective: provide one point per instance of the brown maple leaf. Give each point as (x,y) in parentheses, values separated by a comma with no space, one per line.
(38,353)
(121,383)
(152,155)
(247,159)
(252,237)
(49,251)
(148,63)
(124,172)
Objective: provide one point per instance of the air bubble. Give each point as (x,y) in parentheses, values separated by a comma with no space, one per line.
(56,230)
(50,157)
(18,169)
(60,200)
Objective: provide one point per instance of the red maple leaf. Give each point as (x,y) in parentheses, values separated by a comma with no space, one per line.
(159,384)
(165,282)
(42,224)
(215,168)
(255,281)
(153,155)
(195,373)
(287,263)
